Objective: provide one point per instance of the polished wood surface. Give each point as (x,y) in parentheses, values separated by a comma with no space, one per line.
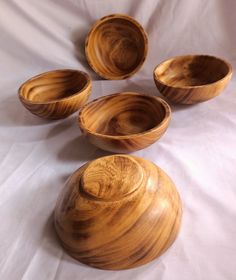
(124,122)
(116,47)
(118,212)
(192,78)
(55,94)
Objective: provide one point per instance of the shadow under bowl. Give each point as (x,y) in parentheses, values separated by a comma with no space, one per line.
(55,94)
(124,122)
(116,47)
(191,79)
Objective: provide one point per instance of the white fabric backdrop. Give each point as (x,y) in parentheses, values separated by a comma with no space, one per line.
(36,156)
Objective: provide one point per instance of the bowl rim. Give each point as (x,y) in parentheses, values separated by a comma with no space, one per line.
(164,122)
(86,86)
(230,70)
(93,29)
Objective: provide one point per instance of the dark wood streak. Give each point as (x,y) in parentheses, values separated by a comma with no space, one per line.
(127,232)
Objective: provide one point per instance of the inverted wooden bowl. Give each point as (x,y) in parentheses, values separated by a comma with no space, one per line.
(192,78)
(124,122)
(116,47)
(118,212)
(55,94)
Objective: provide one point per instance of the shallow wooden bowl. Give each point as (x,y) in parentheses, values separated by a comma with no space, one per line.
(124,122)
(55,94)
(192,78)
(116,47)
(118,212)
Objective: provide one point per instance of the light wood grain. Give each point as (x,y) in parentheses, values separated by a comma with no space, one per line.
(124,122)
(192,78)
(116,47)
(55,94)
(118,212)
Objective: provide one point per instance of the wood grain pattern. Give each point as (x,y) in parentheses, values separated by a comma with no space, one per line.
(118,212)
(192,78)
(55,94)
(124,122)
(116,47)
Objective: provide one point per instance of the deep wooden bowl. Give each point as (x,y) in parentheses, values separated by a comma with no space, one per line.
(192,78)
(124,122)
(118,212)
(55,94)
(116,47)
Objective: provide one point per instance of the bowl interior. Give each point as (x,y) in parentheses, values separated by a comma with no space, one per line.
(54,85)
(195,70)
(116,47)
(122,114)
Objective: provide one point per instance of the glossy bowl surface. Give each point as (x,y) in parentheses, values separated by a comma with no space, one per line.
(55,94)
(124,122)
(116,47)
(118,212)
(192,78)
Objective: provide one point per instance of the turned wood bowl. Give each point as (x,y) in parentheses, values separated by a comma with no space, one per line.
(192,78)
(55,94)
(124,122)
(116,47)
(118,212)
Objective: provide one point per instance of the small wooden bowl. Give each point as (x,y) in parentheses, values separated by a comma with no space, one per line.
(118,212)
(116,47)
(55,94)
(124,122)
(192,78)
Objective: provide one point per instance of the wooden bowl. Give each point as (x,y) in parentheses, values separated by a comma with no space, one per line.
(116,47)
(55,94)
(118,212)
(124,122)
(192,78)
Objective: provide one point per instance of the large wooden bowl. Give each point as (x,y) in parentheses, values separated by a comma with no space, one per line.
(124,122)
(116,47)
(55,94)
(118,212)
(192,78)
